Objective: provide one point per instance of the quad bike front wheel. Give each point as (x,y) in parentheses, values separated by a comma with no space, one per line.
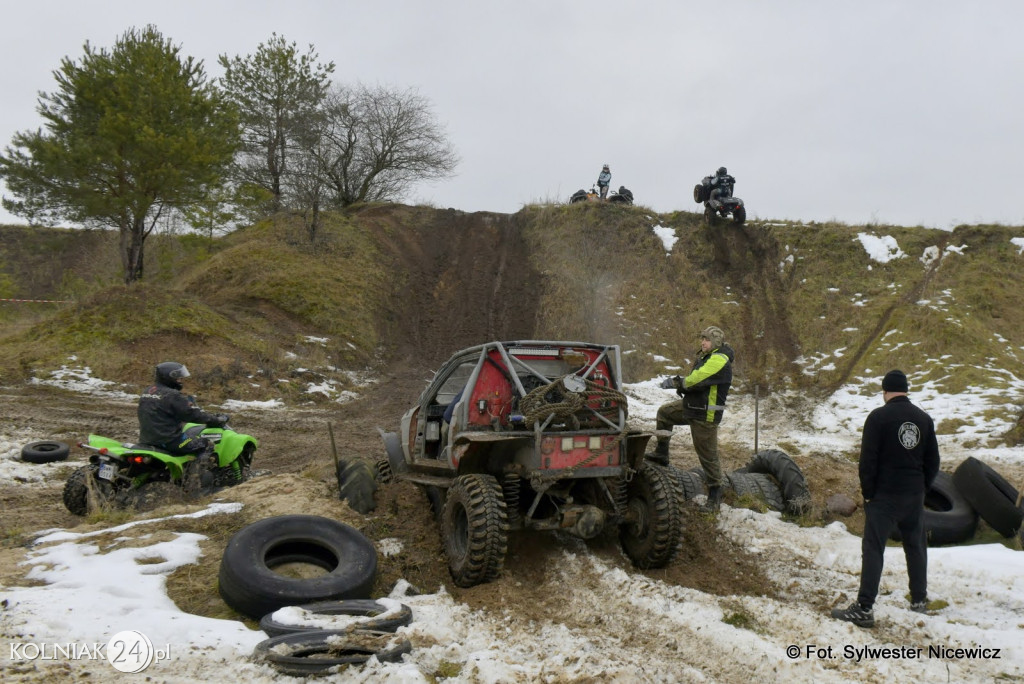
(474,525)
(654,526)
(84,492)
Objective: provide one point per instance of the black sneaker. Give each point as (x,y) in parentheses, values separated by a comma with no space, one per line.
(855,614)
(919,606)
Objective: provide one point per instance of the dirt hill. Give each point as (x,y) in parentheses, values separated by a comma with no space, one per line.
(806,306)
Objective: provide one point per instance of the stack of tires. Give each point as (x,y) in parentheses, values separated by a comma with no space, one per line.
(249,583)
(771,476)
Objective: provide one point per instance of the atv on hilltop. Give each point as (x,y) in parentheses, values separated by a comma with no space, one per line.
(722,207)
(532,435)
(623,196)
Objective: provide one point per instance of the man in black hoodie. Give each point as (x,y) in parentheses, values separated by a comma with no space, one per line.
(703,393)
(899,459)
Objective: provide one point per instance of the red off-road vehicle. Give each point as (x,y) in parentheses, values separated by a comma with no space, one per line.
(532,435)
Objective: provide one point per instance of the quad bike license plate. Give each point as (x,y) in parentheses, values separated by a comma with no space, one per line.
(107,471)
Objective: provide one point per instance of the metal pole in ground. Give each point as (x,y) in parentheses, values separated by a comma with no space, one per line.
(757,411)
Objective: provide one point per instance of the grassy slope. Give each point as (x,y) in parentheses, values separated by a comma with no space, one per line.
(804,305)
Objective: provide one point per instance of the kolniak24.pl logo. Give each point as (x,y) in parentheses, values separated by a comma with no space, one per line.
(129,651)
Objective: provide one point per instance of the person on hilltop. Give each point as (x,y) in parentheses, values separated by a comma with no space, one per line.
(899,459)
(701,405)
(603,181)
(722,185)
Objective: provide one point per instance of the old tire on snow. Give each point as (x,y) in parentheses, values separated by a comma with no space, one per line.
(249,584)
(84,492)
(474,526)
(305,653)
(377,617)
(742,485)
(779,465)
(651,534)
(990,495)
(356,484)
(948,517)
(45,452)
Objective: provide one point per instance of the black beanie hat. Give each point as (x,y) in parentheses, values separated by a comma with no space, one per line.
(895,381)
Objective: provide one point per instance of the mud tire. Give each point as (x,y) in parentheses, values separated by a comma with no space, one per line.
(357,484)
(691,483)
(316,652)
(45,452)
(699,193)
(768,490)
(474,528)
(249,584)
(710,216)
(85,493)
(990,495)
(779,465)
(739,215)
(382,472)
(377,617)
(652,537)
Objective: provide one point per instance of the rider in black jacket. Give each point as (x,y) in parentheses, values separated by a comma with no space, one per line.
(164,410)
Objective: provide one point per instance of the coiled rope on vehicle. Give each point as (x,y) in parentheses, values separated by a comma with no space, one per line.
(563,405)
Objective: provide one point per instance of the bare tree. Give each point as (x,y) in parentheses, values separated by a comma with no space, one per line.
(375,144)
(278,92)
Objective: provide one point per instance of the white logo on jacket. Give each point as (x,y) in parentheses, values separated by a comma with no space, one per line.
(910,435)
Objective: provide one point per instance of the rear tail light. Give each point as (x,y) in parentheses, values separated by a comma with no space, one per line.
(139,460)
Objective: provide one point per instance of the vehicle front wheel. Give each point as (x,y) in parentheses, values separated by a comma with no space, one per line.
(654,526)
(474,525)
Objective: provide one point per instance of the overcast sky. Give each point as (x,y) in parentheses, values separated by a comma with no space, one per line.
(890,112)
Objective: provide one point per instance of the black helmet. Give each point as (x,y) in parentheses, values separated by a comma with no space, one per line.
(722,171)
(170,372)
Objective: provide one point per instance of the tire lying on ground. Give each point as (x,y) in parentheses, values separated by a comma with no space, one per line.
(248,581)
(948,517)
(306,653)
(757,485)
(372,615)
(779,465)
(45,452)
(691,482)
(990,495)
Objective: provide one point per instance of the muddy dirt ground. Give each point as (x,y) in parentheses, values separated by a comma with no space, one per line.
(295,449)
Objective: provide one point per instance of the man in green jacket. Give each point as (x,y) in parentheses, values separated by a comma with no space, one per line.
(701,404)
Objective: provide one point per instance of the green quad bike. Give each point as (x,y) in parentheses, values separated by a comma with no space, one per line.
(123,475)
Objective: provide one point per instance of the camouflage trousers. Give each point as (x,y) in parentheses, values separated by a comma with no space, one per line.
(704,434)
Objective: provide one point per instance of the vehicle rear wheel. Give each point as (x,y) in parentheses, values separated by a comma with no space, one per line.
(474,525)
(739,214)
(651,534)
(710,216)
(84,492)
